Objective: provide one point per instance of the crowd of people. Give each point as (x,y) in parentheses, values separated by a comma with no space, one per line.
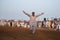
(51,24)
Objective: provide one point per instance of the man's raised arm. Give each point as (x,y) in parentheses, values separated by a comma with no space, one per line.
(39,15)
(26,13)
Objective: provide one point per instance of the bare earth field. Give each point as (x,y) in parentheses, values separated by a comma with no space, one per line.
(19,33)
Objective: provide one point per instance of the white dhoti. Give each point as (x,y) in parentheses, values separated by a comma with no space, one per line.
(33,26)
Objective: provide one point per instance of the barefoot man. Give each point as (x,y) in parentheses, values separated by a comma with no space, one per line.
(32,21)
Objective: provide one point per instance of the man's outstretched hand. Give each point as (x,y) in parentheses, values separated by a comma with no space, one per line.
(42,13)
(23,11)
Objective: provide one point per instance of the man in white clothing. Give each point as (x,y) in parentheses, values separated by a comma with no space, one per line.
(32,21)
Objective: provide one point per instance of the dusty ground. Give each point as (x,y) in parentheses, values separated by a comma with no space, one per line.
(15,33)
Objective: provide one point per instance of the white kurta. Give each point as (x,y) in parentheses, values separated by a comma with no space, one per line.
(32,20)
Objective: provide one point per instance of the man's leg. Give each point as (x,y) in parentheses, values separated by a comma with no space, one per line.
(31,28)
(34,27)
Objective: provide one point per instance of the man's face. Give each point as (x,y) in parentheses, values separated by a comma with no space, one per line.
(33,13)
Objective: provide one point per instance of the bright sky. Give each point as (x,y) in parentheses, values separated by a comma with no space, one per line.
(12,9)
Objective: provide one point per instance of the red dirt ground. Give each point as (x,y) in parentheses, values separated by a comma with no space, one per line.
(15,33)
